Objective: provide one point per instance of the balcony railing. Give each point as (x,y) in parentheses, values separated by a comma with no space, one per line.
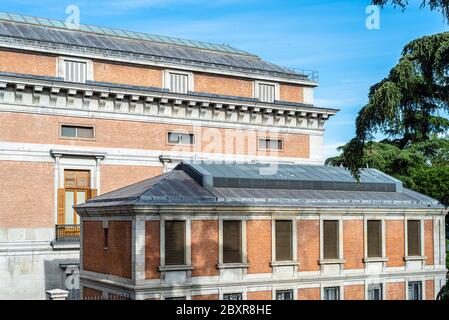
(68,232)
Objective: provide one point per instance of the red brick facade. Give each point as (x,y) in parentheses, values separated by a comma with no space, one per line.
(205,254)
(116,258)
(395,242)
(259,248)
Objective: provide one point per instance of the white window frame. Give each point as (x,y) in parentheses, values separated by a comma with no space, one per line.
(333,285)
(76,126)
(376,283)
(282,288)
(180,133)
(256,89)
(61,72)
(190,80)
(244,262)
(417,279)
(422,239)
(340,258)
(263,148)
(382,281)
(294,260)
(383,240)
(188,243)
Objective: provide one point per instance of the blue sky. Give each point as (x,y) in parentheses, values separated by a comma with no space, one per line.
(322,35)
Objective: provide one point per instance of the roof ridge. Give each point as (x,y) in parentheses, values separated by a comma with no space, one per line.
(122,33)
(137,195)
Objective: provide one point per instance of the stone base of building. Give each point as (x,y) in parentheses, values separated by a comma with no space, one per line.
(29,269)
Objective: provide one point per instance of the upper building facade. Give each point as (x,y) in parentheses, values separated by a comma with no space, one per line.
(86,110)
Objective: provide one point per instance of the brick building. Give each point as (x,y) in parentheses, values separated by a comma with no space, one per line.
(87,110)
(251,231)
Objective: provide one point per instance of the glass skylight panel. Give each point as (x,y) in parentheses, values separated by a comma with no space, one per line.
(206,45)
(5,16)
(122,33)
(31,20)
(167,40)
(95,29)
(141,35)
(58,24)
(44,22)
(108,31)
(151,37)
(16,17)
(132,34)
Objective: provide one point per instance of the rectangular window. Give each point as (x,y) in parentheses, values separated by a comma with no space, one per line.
(414,237)
(332,293)
(175,239)
(232,241)
(284,295)
(232,296)
(270,144)
(283,234)
(267,92)
(330,239)
(75,71)
(374,234)
(375,292)
(105,238)
(181,138)
(415,290)
(77,132)
(179,83)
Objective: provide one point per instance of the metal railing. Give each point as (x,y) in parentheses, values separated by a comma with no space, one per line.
(68,232)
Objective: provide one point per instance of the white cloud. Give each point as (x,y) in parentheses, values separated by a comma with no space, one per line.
(330,150)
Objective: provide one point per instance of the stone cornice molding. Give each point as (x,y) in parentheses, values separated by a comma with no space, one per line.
(48,92)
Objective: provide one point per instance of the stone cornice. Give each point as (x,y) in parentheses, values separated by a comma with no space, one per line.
(51,92)
(57,153)
(245,211)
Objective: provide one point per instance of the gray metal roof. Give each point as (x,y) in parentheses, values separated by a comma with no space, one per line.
(293,177)
(154,47)
(190,184)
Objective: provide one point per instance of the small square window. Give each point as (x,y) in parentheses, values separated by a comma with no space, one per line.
(375,292)
(284,295)
(75,71)
(415,290)
(332,293)
(267,92)
(232,296)
(178,82)
(181,138)
(77,132)
(270,144)
(68,131)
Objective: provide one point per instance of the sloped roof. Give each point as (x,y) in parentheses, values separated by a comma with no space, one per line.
(158,48)
(196,184)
